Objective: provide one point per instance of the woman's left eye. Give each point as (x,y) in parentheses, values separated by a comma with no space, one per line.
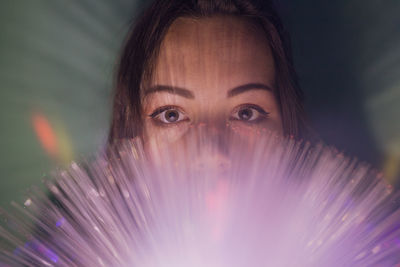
(249,113)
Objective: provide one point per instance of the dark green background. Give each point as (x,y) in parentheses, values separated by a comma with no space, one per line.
(57,59)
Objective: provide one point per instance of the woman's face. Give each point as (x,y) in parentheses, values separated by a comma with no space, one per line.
(216,71)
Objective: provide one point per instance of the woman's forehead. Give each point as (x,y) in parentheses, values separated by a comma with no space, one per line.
(214,32)
(217,51)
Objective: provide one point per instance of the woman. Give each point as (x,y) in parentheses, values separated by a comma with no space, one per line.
(225,62)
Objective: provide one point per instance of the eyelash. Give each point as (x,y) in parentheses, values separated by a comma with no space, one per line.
(261,116)
(159,111)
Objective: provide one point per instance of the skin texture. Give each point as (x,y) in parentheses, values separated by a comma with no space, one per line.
(200,63)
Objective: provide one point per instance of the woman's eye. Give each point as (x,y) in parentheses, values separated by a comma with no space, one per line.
(168,115)
(249,113)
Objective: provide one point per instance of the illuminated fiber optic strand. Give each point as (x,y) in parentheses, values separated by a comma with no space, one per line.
(282,203)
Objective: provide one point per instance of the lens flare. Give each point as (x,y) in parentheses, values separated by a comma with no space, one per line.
(53,137)
(45,134)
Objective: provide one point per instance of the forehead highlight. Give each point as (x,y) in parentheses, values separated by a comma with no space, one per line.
(211,53)
(214,30)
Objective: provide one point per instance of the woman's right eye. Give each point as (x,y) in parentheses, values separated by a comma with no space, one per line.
(169,115)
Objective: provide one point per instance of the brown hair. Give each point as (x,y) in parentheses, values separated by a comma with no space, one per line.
(144,40)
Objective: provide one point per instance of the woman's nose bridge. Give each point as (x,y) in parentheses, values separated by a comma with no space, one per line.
(213,135)
(212,145)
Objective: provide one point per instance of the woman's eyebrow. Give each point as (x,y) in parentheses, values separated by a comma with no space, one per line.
(247,87)
(170,89)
